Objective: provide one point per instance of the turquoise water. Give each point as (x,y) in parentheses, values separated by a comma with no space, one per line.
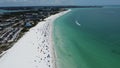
(88,38)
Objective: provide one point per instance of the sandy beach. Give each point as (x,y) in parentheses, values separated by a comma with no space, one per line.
(35,49)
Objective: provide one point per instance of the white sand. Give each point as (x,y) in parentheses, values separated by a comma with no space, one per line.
(34,49)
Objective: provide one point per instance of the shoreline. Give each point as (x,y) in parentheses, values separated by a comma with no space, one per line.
(35,49)
(51,37)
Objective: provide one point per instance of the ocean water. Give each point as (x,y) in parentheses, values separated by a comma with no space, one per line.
(88,38)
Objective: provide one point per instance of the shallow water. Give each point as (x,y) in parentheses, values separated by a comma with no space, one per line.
(92,42)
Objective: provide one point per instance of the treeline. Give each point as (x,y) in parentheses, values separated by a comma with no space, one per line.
(32,7)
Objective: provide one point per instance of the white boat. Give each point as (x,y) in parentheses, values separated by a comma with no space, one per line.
(77,23)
